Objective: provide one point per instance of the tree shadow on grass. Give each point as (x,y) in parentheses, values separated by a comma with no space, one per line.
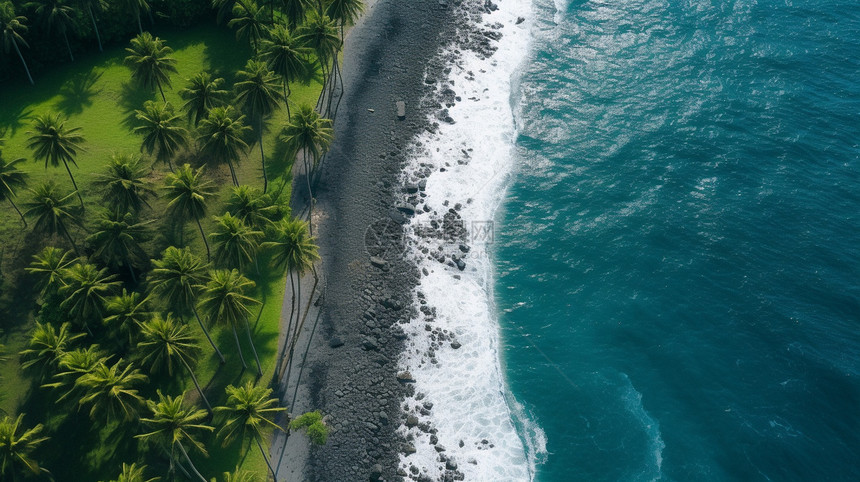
(77,94)
(131,98)
(13,118)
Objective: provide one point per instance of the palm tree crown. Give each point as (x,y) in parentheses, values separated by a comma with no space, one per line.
(249,412)
(56,15)
(51,210)
(221,137)
(47,345)
(187,194)
(85,291)
(202,94)
(172,425)
(162,131)
(110,391)
(123,183)
(150,62)
(15,448)
(11,28)
(236,243)
(292,245)
(249,20)
(52,142)
(50,266)
(10,180)
(225,300)
(286,57)
(116,241)
(257,91)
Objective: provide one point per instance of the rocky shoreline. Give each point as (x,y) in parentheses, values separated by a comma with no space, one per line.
(394,77)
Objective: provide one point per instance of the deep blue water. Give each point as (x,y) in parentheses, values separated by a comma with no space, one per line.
(678,258)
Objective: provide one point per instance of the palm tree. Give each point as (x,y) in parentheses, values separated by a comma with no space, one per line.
(294,250)
(52,142)
(126,313)
(10,180)
(311,135)
(51,211)
(176,278)
(89,6)
(123,183)
(252,207)
(249,21)
(117,239)
(15,448)
(240,475)
(161,130)
(319,33)
(225,301)
(50,265)
(11,27)
(221,137)
(187,193)
(286,57)
(73,365)
(257,91)
(172,425)
(111,391)
(249,412)
(135,7)
(85,291)
(150,61)
(296,11)
(56,15)
(133,473)
(202,94)
(225,7)
(164,343)
(236,244)
(46,347)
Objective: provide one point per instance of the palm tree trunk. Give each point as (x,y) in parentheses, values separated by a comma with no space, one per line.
(238,346)
(131,270)
(289,340)
(233,173)
(139,26)
(283,351)
(208,336)
(74,183)
(197,384)
(96,28)
(253,348)
(299,327)
(69,237)
(287,98)
(263,157)
(163,98)
(18,211)
(26,69)
(310,192)
(200,227)
(69,47)
(188,459)
(266,458)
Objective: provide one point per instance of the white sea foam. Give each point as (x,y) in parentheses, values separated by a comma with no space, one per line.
(471,405)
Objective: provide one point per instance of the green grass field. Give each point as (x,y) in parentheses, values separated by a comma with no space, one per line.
(97,94)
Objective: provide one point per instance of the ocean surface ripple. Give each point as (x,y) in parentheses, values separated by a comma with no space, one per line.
(677,258)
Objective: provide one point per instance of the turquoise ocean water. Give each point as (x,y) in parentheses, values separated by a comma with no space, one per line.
(677,265)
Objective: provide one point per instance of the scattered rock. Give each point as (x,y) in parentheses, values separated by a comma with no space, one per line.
(411,421)
(401,109)
(405,377)
(451,464)
(378,262)
(456,345)
(335,342)
(376,473)
(372,111)
(520,20)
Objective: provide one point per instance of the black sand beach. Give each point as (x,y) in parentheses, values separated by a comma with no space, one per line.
(350,370)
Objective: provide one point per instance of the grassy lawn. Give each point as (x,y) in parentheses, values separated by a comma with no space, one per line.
(96,93)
